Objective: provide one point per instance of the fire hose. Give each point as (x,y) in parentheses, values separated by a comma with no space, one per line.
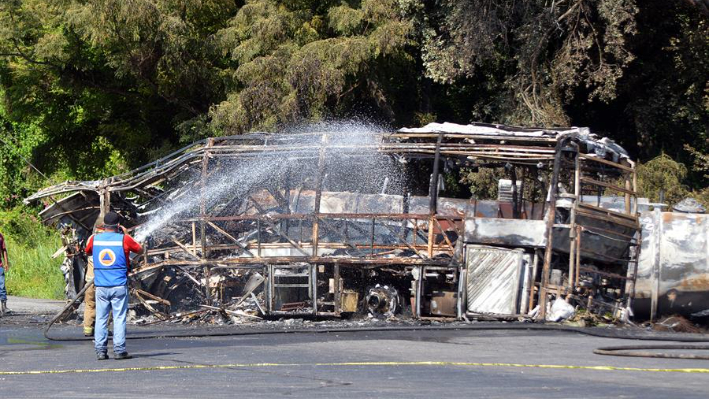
(640,351)
(63,313)
(629,351)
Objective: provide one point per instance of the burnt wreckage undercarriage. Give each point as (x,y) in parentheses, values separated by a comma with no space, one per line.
(331,223)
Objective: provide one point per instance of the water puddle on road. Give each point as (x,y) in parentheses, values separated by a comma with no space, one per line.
(14,344)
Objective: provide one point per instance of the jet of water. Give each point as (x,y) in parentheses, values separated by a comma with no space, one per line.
(352,163)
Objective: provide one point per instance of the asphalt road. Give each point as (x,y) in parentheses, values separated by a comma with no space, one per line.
(20,305)
(411,364)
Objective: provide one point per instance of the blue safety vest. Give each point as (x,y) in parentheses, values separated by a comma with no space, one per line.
(110,264)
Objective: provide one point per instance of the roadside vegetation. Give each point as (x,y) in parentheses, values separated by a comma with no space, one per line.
(33,273)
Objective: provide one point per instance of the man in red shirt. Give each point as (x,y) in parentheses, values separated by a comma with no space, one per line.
(110,251)
(129,245)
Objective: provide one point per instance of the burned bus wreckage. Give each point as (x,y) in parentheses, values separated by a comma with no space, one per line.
(333,223)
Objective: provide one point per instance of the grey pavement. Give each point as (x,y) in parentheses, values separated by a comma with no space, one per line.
(23,305)
(395,364)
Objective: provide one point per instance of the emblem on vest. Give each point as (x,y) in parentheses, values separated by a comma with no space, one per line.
(107,257)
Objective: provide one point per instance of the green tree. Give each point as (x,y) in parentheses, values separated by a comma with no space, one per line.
(92,87)
(662,175)
(108,82)
(307,60)
(546,52)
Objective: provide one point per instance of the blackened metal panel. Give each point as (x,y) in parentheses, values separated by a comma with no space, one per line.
(509,232)
(493,279)
(601,240)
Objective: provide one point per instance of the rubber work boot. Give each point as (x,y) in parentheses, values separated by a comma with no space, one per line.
(122,356)
(88,332)
(3,308)
(102,356)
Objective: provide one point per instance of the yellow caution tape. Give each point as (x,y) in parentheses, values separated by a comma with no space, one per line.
(355,364)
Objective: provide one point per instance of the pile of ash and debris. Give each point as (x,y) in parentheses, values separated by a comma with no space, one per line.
(223,309)
(241,296)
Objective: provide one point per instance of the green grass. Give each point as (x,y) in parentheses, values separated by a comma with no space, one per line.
(33,273)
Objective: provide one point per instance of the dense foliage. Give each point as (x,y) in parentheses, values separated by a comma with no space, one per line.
(33,272)
(92,87)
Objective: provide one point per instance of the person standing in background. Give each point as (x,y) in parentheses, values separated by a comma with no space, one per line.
(90,294)
(4,266)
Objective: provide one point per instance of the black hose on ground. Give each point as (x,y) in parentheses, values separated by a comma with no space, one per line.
(70,305)
(607,351)
(635,351)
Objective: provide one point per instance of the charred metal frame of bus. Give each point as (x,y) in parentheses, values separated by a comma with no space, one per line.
(325,260)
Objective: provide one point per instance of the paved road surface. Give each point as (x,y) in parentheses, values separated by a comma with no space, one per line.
(22,305)
(411,364)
